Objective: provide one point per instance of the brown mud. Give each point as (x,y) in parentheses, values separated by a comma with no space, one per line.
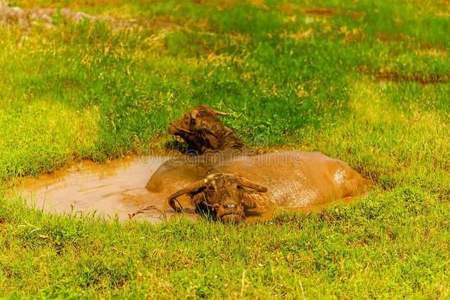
(114,189)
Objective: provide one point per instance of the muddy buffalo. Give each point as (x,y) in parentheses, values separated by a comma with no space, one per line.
(202,130)
(230,186)
(221,195)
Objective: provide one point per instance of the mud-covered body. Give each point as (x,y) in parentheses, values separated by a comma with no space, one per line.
(293,179)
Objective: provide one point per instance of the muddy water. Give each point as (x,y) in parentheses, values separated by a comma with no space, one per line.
(114,189)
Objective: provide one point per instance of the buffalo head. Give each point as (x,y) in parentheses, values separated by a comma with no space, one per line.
(202,130)
(223,195)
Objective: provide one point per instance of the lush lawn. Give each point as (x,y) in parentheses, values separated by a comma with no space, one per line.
(363,81)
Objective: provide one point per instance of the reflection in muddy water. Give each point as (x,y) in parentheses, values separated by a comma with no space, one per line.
(108,190)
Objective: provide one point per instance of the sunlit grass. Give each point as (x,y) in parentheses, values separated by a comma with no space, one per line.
(305,74)
(40,136)
(399,146)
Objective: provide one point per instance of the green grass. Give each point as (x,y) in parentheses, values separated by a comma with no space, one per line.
(288,77)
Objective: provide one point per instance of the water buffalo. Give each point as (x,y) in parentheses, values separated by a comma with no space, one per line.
(234,184)
(202,130)
(221,195)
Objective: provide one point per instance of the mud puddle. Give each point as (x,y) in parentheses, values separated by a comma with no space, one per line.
(114,189)
(117,190)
